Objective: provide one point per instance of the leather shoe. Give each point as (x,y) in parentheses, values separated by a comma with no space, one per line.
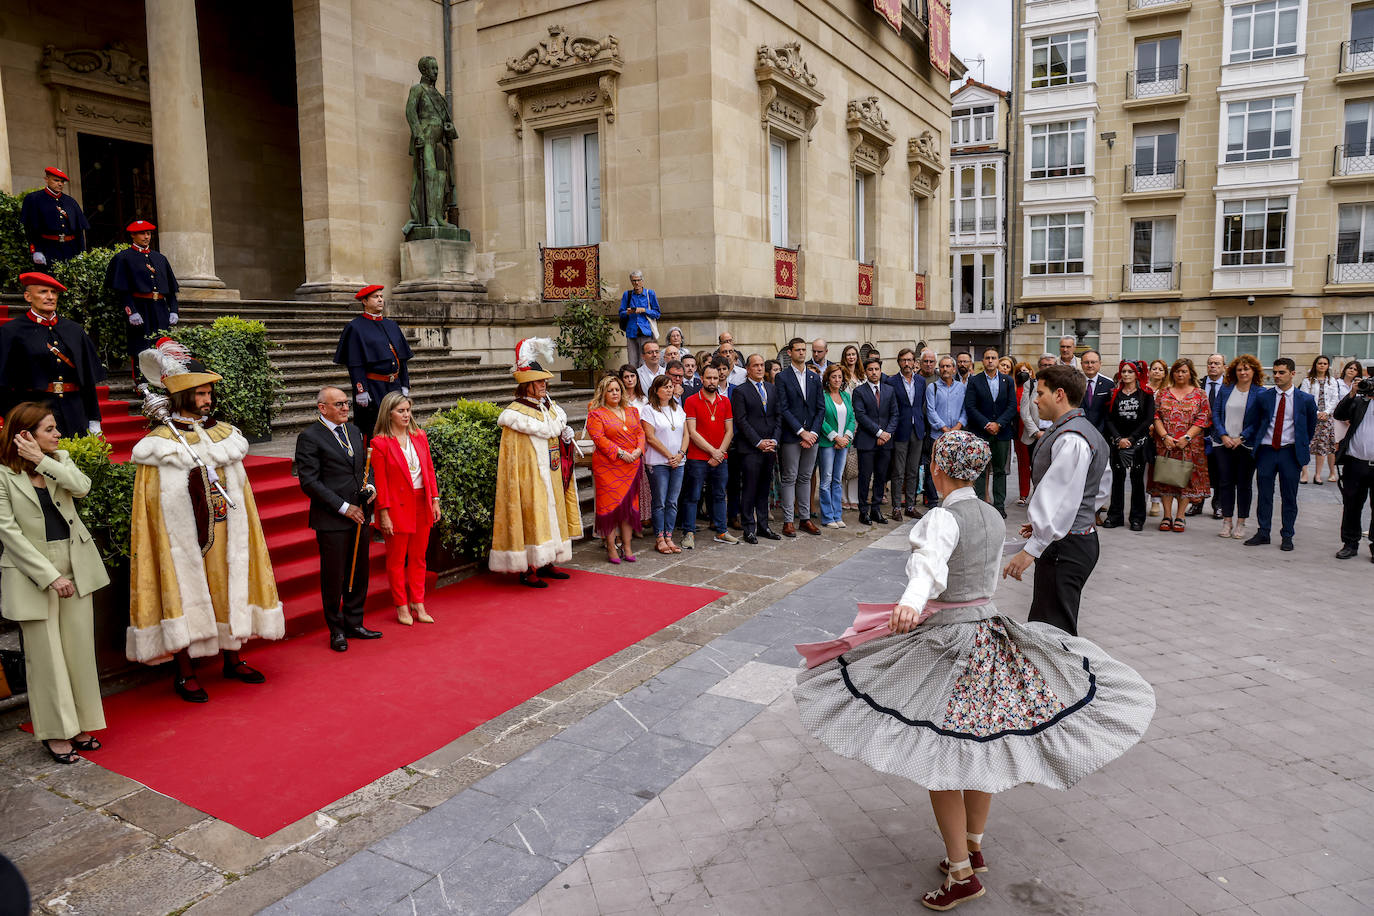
(770,534)
(361,632)
(241,672)
(896,515)
(1216,514)
(735,523)
(864,519)
(750,538)
(789,530)
(912,513)
(1193,509)
(338,642)
(190,696)
(1257,540)
(1110,523)
(1347,551)
(877,518)
(810,527)
(1285,543)
(1137,526)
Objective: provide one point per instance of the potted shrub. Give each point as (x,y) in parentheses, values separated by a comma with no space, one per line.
(252,393)
(584,336)
(464,441)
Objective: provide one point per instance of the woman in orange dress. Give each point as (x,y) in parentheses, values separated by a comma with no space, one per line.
(1181,414)
(614,428)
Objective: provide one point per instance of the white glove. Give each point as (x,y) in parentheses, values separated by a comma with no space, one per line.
(172,319)
(405,392)
(136,319)
(93,427)
(363,398)
(567,434)
(40,259)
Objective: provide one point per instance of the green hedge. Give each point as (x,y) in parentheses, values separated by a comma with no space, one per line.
(107,509)
(14,250)
(252,393)
(464,441)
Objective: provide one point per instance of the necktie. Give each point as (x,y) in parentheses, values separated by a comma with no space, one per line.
(762,397)
(343,440)
(1212,395)
(1278,420)
(877,398)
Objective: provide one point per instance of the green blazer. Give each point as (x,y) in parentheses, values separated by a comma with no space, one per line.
(25,571)
(830,420)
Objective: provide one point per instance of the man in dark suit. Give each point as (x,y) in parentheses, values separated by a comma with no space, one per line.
(1211,386)
(875,411)
(1099,391)
(1278,426)
(330,458)
(908,441)
(1355,458)
(799,403)
(990,402)
(757,423)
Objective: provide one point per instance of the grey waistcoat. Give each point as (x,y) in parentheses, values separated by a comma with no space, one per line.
(974,565)
(1074,422)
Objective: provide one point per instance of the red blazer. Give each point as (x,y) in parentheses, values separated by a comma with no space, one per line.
(393,479)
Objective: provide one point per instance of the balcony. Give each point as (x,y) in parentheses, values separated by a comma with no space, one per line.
(1153,280)
(1357,61)
(1358,274)
(1139,9)
(1157,86)
(1352,163)
(1154,182)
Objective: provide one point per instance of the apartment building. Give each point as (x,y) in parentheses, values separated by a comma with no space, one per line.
(1191,177)
(978,215)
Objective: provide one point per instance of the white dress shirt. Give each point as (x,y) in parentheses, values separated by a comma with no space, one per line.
(994,385)
(933,539)
(343,507)
(1054,501)
(801,383)
(647,376)
(1287,433)
(1361,446)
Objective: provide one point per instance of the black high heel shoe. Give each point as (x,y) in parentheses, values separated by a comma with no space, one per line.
(90,744)
(69,757)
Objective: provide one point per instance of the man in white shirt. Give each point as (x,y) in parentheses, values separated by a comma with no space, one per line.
(651,367)
(1355,458)
(1068,470)
(1067,343)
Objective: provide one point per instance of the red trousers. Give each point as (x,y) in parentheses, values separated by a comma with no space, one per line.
(1023,467)
(405,555)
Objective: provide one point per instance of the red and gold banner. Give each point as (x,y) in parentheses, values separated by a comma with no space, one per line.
(572,273)
(920,291)
(785,283)
(865,284)
(938,36)
(891,10)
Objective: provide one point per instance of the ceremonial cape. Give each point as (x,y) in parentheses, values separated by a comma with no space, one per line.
(537,514)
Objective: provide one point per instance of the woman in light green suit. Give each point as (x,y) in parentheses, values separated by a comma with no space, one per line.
(48,571)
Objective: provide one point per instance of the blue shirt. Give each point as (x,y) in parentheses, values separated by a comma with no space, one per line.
(944,406)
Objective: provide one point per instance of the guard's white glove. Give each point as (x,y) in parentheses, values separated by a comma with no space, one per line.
(567,434)
(40,259)
(93,427)
(136,319)
(405,392)
(363,398)
(172,319)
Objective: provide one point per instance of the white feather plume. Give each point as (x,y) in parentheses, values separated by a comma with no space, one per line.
(536,349)
(168,358)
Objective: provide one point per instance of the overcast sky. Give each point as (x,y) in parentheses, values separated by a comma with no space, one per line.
(982,28)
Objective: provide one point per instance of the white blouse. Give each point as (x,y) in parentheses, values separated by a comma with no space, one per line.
(933,539)
(412,462)
(668,426)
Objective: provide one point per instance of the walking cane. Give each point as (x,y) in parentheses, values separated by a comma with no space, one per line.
(357,536)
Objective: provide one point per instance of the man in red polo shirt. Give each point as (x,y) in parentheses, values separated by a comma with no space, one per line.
(710,426)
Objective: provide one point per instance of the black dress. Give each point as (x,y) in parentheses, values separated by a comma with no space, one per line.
(1129,417)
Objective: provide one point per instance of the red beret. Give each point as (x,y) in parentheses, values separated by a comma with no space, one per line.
(140,225)
(368,290)
(56,173)
(35,278)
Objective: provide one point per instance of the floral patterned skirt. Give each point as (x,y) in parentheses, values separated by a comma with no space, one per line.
(975,700)
(1324,439)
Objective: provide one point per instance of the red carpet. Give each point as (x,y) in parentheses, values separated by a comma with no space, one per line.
(326,724)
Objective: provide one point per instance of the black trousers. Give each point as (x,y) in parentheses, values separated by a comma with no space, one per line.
(873,465)
(1234,483)
(1060,574)
(1357,489)
(756,475)
(1119,472)
(343,607)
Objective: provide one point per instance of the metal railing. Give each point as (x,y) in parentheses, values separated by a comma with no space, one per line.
(1161,176)
(1157,82)
(1151,278)
(1357,54)
(1354,272)
(1353,159)
(972,224)
(1146,4)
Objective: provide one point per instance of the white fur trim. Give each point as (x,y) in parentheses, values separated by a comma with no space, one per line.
(164,451)
(536,555)
(269,622)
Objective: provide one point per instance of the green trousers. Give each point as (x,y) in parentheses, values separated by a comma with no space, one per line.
(59,660)
(997,467)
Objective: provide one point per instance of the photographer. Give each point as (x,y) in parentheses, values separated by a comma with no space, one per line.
(1355,458)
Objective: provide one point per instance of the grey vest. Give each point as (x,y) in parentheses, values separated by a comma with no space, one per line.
(974,564)
(1074,422)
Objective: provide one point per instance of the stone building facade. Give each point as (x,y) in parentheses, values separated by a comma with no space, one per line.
(979,150)
(716,144)
(1195,177)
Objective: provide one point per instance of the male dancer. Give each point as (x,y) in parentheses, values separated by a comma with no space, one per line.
(1068,472)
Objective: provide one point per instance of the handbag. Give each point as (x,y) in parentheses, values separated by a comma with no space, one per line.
(1173,472)
(1135,454)
(653,329)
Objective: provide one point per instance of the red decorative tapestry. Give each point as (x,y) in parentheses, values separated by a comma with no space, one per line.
(865,284)
(920,291)
(785,282)
(891,10)
(938,36)
(572,273)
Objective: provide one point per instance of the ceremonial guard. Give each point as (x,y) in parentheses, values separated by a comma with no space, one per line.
(200,577)
(144,286)
(537,515)
(375,351)
(53,222)
(49,359)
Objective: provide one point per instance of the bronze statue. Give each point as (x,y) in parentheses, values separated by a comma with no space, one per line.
(431,132)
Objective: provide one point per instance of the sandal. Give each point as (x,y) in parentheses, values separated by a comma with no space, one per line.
(662,547)
(69,757)
(1166,525)
(92,743)
(1179,525)
(671,546)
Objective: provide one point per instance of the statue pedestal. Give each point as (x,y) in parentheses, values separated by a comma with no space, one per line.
(439,265)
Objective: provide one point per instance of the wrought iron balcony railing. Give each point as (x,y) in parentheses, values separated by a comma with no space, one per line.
(1151,278)
(1357,54)
(1146,4)
(1157,82)
(1354,271)
(1353,159)
(1158,176)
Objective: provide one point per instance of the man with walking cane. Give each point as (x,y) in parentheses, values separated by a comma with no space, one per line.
(332,463)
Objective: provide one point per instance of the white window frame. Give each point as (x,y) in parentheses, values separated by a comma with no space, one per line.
(1152,134)
(1252,207)
(1070,224)
(584,187)
(777,192)
(1066,42)
(1363,252)
(1336,329)
(1056,328)
(973,124)
(860,215)
(1250,12)
(1243,111)
(1163,79)
(1042,133)
(1268,334)
(1150,339)
(916,233)
(984,302)
(1159,261)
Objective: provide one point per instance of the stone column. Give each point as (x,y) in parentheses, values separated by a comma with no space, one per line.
(327,112)
(180,159)
(6,175)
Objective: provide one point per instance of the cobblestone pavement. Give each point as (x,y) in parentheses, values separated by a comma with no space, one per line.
(681,781)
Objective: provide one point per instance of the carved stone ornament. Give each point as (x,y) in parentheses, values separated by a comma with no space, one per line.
(114,70)
(563,74)
(927,166)
(96,91)
(788,98)
(870,141)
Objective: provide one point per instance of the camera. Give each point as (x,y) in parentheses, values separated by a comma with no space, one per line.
(1365,387)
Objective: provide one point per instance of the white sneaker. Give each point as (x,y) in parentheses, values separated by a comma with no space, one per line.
(726,538)
(689,540)
(1156,509)
(841,524)
(831,525)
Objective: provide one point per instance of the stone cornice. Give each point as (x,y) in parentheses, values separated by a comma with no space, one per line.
(112,71)
(563,74)
(870,139)
(788,97)
(926,164)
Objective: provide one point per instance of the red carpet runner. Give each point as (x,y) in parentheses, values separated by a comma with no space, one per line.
(326,724)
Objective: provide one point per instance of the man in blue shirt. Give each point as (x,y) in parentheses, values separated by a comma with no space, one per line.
(945,402)
(638,317)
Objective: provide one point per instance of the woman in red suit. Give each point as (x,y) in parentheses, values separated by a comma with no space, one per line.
(407,503)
